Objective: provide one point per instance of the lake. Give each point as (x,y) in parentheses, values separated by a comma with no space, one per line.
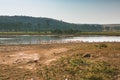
(37,39)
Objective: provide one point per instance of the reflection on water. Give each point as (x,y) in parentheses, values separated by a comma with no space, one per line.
(35,39)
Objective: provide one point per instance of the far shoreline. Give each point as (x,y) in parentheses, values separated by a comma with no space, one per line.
(53,34)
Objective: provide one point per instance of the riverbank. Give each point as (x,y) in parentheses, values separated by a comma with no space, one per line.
(49,33)
(60,61)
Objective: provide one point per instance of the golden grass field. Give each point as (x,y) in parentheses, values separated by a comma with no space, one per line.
(60,61)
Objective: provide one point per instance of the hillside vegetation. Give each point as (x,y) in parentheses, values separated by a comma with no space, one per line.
(39,24)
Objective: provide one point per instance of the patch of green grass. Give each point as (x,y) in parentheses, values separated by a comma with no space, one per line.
(25,33)
(100,46)
(77,68)
(50,33)
(99,33)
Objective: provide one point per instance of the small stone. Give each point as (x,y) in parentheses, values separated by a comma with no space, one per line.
(87,55)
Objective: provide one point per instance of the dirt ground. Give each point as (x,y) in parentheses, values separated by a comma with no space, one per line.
(27,56)
(31,56)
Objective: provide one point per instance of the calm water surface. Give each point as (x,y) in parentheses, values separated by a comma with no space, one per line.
(35,39)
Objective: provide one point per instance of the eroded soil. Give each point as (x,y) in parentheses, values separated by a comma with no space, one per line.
(27,56)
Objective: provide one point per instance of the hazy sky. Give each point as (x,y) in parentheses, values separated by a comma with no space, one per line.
(75,11)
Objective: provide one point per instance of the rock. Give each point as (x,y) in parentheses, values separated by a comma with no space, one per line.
(87,55)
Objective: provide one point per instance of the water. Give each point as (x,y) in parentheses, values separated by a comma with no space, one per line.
(35,39)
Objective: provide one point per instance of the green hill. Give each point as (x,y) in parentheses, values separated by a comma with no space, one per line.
(25,23)
(37,24)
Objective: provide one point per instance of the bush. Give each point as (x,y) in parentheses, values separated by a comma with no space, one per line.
(101,46)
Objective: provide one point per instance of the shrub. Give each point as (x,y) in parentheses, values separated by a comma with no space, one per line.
(101,46)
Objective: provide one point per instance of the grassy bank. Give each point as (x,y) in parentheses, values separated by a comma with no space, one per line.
(99,33)
(25,33)
(50,33)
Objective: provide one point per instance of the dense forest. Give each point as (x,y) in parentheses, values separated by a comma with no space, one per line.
(38,24)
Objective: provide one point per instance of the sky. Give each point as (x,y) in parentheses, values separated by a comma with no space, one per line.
(73,11)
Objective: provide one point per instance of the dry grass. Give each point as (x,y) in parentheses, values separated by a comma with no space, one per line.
(71,61)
